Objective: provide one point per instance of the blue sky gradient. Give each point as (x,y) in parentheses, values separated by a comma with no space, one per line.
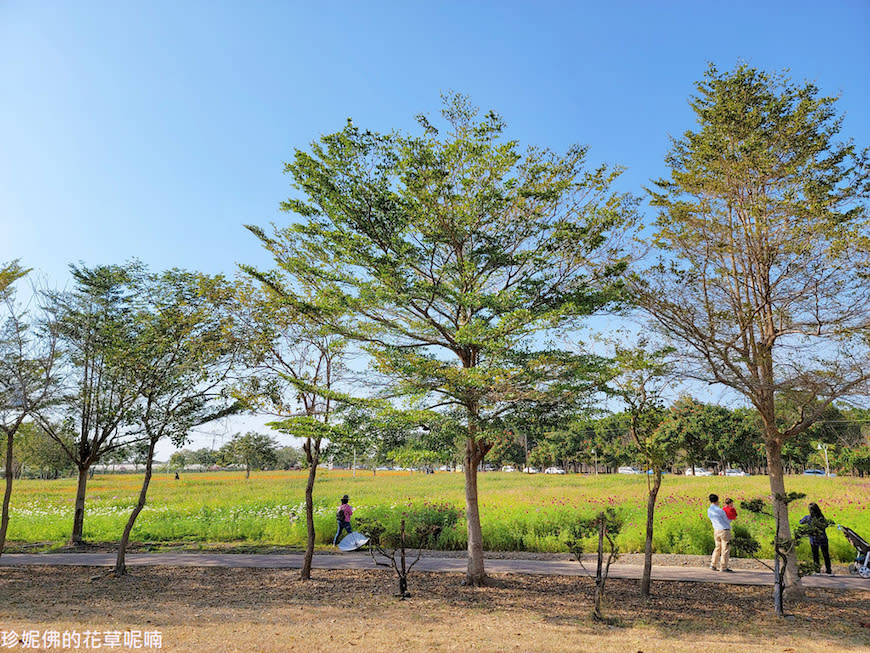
(156,130)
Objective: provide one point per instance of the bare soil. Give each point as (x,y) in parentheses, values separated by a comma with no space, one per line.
(220,609)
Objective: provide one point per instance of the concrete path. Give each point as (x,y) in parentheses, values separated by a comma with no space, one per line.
(362,560)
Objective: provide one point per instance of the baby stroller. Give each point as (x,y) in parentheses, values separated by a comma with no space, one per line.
(861,566)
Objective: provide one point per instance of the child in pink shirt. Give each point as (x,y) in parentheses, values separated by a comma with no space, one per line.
(730,510)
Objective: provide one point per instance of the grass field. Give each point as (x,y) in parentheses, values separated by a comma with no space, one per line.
(518,512)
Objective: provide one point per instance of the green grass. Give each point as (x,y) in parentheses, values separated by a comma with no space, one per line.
(518,512)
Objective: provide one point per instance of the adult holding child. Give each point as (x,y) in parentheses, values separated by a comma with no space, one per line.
(721,535)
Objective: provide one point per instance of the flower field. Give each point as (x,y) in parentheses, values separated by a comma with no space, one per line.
(518,512)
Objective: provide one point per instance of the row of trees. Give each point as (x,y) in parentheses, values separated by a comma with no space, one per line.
(464,269)
(699,435)
(125,359)
(252,451)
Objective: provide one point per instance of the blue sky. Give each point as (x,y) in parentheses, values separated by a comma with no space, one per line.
(155,130)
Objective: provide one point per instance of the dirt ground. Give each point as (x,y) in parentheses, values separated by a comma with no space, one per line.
(220,609)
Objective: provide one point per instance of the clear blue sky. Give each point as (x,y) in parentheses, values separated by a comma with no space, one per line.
(156,129)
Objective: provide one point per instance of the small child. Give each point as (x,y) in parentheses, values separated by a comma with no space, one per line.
(730,510)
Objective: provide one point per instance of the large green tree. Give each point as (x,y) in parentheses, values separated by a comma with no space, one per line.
(95,324)
(763,229)
(451,257)
(708,433)
(185,346)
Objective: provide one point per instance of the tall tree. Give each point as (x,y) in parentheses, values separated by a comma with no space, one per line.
(641,376)
(296,375)
(186,345)
(764,234)
(26,376)
(96,331)
(451,258)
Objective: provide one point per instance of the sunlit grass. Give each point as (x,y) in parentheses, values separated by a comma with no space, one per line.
(518,512)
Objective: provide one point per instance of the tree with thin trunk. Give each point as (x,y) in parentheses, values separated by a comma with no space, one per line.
(641,377)
(26,376)
(764,282)
(605,527)
(95,328)
(188,343)
(454,260)
(296,375)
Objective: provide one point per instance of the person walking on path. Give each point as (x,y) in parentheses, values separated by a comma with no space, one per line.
(721,535)
(818,538)
(730,510)
(343,519)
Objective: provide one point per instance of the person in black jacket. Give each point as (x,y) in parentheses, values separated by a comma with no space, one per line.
(818,538)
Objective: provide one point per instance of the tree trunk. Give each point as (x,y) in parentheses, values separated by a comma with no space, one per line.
(599,572)
(120,562)
(403,576)
(475,575)
(312,451)
(792,583)
(7,495)
(650,514)
(75,539)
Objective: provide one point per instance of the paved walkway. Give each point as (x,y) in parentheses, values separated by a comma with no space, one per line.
(362,560)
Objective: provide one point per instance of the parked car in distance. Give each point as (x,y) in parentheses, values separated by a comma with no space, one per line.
(651,472)
(698,472)
(508,468)
(626,469)
(735,472)
(816,472)
(531,470)
(554,470)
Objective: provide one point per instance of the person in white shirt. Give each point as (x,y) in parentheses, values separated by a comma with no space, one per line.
(721,535)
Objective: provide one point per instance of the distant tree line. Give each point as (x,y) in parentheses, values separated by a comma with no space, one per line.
(701,435)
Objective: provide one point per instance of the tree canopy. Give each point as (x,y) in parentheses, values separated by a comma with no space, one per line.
(450,258)
(763,231)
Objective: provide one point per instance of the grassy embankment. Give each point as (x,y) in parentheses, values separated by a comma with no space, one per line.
(518,512)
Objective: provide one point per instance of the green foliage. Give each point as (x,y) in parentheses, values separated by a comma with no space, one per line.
(756,505)
(427,523)
(608,521)
(743,544)
(764,223)
(9,274)
(457,243)
(37,453)
(251,450)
